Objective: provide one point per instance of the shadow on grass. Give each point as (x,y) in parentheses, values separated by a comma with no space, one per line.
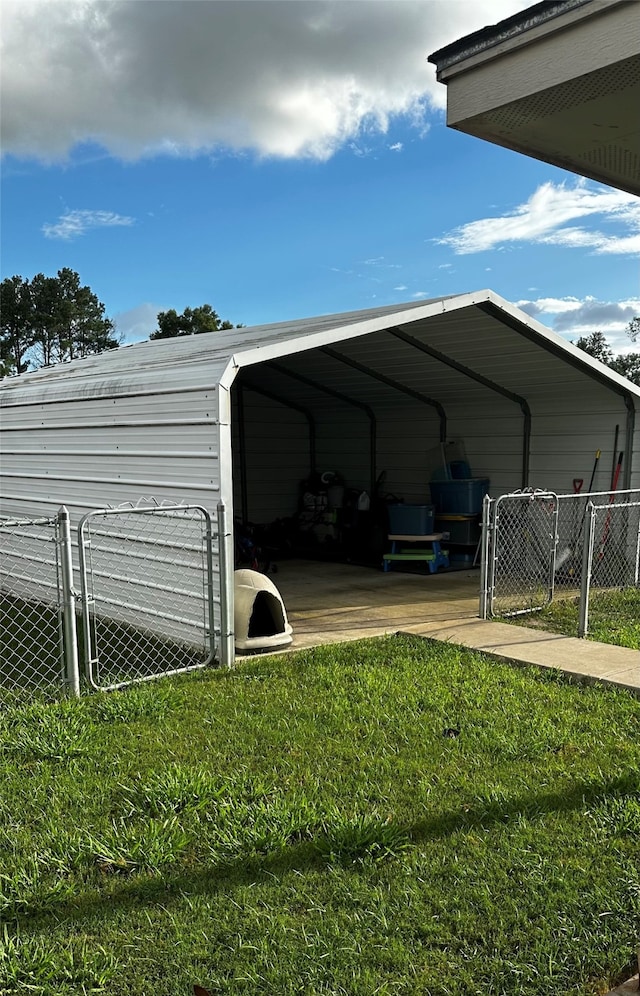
(317,852)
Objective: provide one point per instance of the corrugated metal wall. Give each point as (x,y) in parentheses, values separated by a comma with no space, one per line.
(564,445)
(92,451)
(276,458)
(405,436)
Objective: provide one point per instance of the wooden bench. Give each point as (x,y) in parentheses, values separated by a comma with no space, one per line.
(424,548)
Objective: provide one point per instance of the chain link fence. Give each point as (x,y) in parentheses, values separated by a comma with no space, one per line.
(146,583)
(572,516)
(147,592)
(538,546)
(37,613)
(611,553)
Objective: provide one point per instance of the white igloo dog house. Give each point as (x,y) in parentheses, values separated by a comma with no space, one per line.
(260,616)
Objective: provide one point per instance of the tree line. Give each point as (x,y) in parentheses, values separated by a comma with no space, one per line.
(626,364)
(49,320)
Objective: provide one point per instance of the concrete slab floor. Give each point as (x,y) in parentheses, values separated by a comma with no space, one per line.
(332,603)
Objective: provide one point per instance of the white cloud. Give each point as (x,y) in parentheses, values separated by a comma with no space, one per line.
(379,263)
(287,79)
(420,294)
(401,287)
(550,305)
(396,147)
(137,323)
(544,219)
(73,224)
(572,317)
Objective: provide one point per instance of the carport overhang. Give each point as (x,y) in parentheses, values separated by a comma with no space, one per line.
(559,81)
(473,345)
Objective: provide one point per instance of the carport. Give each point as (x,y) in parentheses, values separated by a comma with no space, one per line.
(238,420)
(373,391)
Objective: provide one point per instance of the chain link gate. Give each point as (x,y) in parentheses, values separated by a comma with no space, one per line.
(520,550)
(147,592)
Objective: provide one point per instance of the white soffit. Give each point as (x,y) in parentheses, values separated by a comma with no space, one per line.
(560,82)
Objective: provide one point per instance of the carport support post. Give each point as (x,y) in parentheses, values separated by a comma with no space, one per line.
(227,636)
(70,642)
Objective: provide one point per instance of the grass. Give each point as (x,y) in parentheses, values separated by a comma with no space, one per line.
(614,617)
(391,817)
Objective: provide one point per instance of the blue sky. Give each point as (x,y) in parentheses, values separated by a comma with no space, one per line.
(278,160)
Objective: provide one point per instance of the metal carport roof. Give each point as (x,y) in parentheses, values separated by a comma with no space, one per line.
(471,347)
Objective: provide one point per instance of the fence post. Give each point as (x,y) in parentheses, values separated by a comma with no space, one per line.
(227,636)
(210,612)
(72,675)
(587,564)
(484,556)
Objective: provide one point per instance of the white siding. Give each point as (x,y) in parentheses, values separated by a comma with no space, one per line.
(91,452)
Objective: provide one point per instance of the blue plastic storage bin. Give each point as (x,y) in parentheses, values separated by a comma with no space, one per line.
(410,520)
(464,497)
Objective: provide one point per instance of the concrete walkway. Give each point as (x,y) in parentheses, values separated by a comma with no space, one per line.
(331,603)
(585,659)
(627,988)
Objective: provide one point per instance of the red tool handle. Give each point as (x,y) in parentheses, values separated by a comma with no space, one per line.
(607,524)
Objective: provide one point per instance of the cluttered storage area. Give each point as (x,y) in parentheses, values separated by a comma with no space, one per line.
(333,483)
(401,431)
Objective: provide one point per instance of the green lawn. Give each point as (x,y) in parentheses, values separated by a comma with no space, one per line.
(614,617)
(388,817)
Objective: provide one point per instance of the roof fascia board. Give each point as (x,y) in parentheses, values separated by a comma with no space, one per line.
(461,57)
(507,74)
